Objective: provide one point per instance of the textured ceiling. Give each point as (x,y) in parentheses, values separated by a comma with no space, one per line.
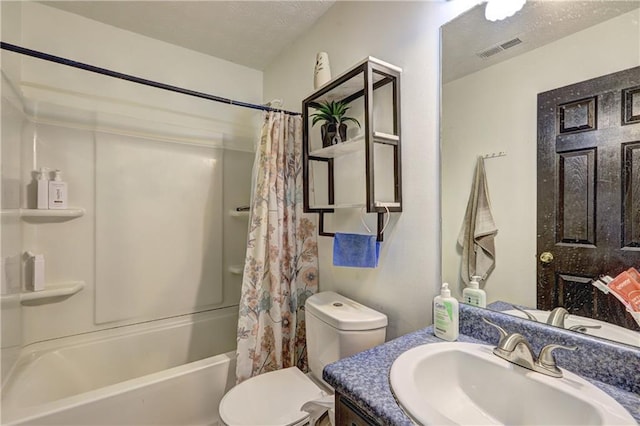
(253,33)
(250,33)
(538,23)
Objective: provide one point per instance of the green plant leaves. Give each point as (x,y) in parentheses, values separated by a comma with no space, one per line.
(331,112)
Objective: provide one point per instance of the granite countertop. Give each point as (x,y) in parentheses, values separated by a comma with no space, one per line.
(364,377)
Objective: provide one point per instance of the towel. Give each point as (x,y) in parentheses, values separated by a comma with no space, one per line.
(355,250)
(317,407)
(478,230)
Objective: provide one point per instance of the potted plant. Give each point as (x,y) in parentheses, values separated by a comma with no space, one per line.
(334,127)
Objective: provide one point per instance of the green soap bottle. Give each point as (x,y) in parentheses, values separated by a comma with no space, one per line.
(445,315)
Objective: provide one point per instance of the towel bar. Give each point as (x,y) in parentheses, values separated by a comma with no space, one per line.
(379,233)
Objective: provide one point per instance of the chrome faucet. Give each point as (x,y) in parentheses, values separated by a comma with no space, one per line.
(515,348)
(559,314)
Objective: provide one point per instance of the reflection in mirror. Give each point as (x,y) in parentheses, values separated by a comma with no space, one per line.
(492,73)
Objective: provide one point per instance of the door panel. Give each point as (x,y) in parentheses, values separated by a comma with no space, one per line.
(576,197)
(631,196)
(589,191)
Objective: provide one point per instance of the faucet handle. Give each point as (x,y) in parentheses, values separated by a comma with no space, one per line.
(546,355)
(503,332)
(527,313)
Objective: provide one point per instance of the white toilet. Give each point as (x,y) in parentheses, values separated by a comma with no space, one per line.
(336,328)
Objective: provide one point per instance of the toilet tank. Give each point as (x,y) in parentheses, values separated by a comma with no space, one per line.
(338,327)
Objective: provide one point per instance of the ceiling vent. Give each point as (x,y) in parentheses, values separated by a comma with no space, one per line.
(494,50)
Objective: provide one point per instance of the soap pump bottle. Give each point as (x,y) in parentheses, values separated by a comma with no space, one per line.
(445,315)
(42,189)
(473,294)
(57,192)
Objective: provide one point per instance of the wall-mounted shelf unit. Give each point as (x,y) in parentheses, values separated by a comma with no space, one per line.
(389,205)
(357,86)
(353,145)
(52,291)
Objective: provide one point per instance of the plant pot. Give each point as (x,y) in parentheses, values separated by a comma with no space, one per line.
(333,134)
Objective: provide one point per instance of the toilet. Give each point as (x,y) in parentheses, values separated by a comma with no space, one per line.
(336,327)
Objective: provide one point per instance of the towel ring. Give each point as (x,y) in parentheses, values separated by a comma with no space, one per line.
(362,212)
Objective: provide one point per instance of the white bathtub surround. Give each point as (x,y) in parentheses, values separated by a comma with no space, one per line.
(94,128)
(142,196)
(172,371)
(281,267)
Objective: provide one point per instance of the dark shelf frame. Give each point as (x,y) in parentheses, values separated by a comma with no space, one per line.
(367,68)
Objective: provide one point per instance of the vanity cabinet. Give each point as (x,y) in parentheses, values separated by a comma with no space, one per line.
(363,171)
(348,414)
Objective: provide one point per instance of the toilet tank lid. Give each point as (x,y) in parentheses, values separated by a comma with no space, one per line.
(343,313)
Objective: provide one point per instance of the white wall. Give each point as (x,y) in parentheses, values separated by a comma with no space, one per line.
(71,111)
(64,34)
(13,122)
(404,34)
(495,110)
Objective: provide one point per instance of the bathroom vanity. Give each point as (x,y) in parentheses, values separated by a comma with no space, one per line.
(364,395)
(348,413)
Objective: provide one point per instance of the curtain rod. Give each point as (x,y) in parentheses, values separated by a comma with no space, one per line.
(134,79)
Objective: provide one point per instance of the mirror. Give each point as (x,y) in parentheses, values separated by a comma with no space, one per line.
(492,73)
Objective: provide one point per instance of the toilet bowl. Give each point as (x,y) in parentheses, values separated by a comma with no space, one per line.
(272,398)
(336,327)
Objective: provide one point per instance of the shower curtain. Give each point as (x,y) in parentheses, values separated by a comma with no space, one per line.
(281,267)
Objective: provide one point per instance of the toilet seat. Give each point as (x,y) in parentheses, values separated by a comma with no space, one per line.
(272,398)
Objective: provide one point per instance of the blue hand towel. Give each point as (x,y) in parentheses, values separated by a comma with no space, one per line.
(355,250)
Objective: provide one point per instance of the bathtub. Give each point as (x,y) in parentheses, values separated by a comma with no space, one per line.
(166,372)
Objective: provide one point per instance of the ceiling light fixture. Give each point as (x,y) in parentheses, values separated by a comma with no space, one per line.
(497,10)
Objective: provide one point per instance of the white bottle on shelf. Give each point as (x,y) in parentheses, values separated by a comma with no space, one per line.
(37,273)
(43,189)
(473,294)
(57,192)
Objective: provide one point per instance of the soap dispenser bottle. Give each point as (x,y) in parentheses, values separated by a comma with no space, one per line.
(57,192)
(42,189)
(473,294)
(445,315)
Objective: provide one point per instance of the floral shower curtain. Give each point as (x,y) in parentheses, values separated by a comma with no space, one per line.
(281,267)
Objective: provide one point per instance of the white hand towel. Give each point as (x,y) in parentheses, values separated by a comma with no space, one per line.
(317,407)
(478,230)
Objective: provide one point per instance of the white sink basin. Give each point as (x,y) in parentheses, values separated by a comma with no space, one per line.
(464,384)
(607,331)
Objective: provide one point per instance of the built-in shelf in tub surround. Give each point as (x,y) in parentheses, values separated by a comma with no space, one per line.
(239,213)
(364,377)
(52,291)
(70,213)
(44,213)
(236,269)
